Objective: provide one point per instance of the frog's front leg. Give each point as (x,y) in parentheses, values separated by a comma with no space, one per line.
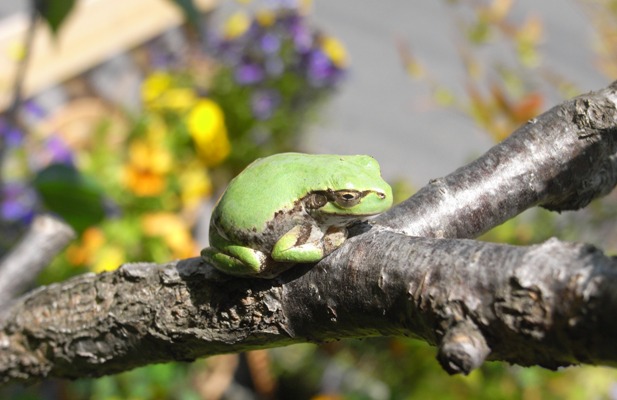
(231,258)
(307,243)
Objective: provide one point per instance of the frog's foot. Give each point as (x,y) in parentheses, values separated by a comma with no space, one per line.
(333,239)
(260,265)
(306,243)
(236,260)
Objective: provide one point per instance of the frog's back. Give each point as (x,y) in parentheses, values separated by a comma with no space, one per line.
(275,183)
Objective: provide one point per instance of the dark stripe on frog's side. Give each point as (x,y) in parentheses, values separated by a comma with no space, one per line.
(304,236)
(282,221)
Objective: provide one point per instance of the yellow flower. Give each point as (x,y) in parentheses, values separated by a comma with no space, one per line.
(206,125)
(145,174)
(174,232)
(108,259)
(94,251)
(82,252)
(153,87)
(265,18)
(156,128)
(159,93)
(236,25)
(148,155)
(195,185)
(335,51)
(176,99)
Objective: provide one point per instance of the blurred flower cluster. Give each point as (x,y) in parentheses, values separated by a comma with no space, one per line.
(274,70)
(18,198)
(273,44)
(136,193)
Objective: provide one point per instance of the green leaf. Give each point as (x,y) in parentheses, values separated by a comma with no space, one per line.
(191,13)
(54,12)
(74,197)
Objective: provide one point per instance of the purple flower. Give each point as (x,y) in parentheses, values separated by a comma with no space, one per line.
(159,58)
(229,51)
(18,202)
(300,33)
(34,109)
(264,102)
(58,151)
(13,137)
(320,69)
(249,73)
(270,43)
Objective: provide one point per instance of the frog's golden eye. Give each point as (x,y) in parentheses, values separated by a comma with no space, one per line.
(316,200)
(347,198)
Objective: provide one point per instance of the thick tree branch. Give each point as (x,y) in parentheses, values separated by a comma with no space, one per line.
(561,160)
(548,305)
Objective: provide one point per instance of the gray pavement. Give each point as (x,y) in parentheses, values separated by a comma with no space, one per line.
(381,111)
(8,7)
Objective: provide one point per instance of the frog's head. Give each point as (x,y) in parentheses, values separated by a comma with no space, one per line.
(355,189)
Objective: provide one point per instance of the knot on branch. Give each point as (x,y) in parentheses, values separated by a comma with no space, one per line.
(462,349)
(594,114)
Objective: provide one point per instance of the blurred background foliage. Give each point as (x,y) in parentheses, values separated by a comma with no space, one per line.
(134,184)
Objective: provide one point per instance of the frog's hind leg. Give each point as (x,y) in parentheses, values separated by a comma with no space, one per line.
(233,259)
(230,264)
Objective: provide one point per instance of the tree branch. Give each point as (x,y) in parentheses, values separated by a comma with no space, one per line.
(560,160)
(18,269)
(548,305)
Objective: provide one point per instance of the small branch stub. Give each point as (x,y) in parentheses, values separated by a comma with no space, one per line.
(462,349)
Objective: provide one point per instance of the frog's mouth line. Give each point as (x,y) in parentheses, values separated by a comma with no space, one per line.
(352,216)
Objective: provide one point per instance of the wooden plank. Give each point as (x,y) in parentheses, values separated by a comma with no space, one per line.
(96,30)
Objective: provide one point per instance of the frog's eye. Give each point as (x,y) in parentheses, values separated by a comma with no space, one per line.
(316,200)
(347,198)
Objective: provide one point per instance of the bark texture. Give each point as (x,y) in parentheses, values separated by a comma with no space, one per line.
(550,305)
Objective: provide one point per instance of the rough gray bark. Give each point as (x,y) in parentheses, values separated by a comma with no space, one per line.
(548,305)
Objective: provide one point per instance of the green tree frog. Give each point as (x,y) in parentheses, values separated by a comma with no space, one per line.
(292,208)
